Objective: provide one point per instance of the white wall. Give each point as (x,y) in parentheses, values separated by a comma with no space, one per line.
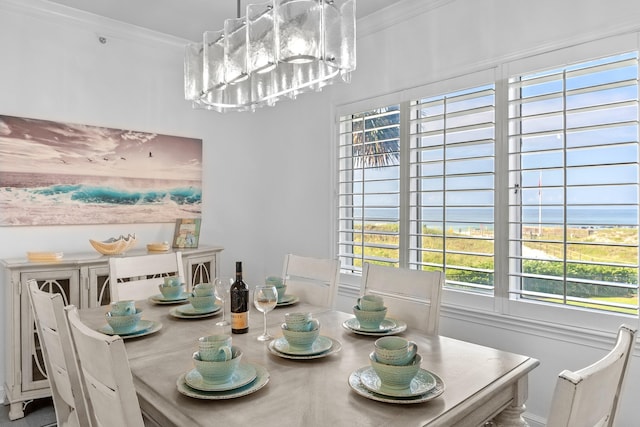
(268,177)
(445,39)
(259,200)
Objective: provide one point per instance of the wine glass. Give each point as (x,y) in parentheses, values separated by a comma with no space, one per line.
(220,289)
(265,298)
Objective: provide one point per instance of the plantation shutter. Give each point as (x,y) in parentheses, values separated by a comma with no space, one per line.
(452,173)
(573,204)
(369,188)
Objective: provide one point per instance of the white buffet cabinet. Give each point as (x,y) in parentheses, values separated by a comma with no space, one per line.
(83,280)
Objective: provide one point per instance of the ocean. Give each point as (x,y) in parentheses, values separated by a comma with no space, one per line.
(57,199)
(577,216)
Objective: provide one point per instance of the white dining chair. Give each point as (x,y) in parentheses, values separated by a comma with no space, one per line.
(412,296)
(59,358)
(136,277)
(589,397)
(106,375)
(313,280)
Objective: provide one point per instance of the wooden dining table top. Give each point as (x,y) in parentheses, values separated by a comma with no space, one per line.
(479,381)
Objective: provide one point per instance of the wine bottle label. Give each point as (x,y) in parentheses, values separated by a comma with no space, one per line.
(240,320)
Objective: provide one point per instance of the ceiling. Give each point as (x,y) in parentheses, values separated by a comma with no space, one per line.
(186,19)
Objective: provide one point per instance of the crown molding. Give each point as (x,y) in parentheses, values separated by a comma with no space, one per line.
(395,14)
(102,26)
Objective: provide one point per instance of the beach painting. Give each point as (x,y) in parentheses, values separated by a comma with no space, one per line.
(54,173)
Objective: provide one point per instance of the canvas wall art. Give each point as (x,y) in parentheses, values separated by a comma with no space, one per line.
(54,173)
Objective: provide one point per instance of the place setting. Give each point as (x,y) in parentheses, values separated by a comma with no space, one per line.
(370,318)
(301,339)
(395,375)
(284,299)
(125,320)
(171,292)
(220,372)
(202,303)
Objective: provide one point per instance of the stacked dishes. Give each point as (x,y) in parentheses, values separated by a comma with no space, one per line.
(371,319)
(302,340)
(395,374)
(202,303)
(283,298)
(171,291)
(125,319)
(220,372)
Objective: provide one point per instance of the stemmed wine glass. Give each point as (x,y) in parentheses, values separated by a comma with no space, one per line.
(265,298)
(220,289)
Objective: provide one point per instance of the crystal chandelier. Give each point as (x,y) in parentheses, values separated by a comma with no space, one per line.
(278,49)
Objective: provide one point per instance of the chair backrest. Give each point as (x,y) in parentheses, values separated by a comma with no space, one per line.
(412,296)
(313,280)
(589,397)
(142,273)
(106,375)
(59,358)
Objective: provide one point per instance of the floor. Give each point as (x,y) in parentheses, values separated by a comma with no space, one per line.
(38,413)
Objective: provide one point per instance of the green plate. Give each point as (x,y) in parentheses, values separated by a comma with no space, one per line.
(243,375)
(320,345)
(159,299)
(420,384)
(262,378)
(144,327)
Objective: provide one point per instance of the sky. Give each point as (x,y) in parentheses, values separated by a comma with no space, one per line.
(39,146)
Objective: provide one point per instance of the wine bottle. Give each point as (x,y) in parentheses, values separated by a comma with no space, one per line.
(239,303)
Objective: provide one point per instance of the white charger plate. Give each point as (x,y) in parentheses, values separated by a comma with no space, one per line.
(385,326)
(336,346)
(144,327)
(420,384)
(288,300)
(262,378)
(355,383)
(320,345)
(159,299)
(243,375)
(187,311)
(353,325)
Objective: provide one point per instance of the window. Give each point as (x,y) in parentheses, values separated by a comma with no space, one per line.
(452,186)
(573,206)
(450,196)
(369,182)
(524,187)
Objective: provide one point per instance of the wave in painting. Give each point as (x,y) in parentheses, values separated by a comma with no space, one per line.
(108,195)
(76,202)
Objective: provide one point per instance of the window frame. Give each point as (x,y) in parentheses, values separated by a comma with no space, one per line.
(501,303)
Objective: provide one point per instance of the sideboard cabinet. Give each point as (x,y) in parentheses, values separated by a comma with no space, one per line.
(83,280)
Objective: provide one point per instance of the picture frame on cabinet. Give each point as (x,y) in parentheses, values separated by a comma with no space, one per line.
(187,233)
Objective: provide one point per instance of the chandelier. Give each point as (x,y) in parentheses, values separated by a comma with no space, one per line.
(278,50)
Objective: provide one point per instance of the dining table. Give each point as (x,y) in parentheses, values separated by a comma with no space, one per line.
(475,383)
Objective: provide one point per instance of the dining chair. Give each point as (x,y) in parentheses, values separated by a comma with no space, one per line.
(69,401)
(106,375)
(589,397)
(313,280)
(136,277)
(412,296)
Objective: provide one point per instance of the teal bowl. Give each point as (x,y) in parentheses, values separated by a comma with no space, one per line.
(369,319)
(300,339)
(170,292)
(202,303)
(124,324)
(218,372)
(396,376)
